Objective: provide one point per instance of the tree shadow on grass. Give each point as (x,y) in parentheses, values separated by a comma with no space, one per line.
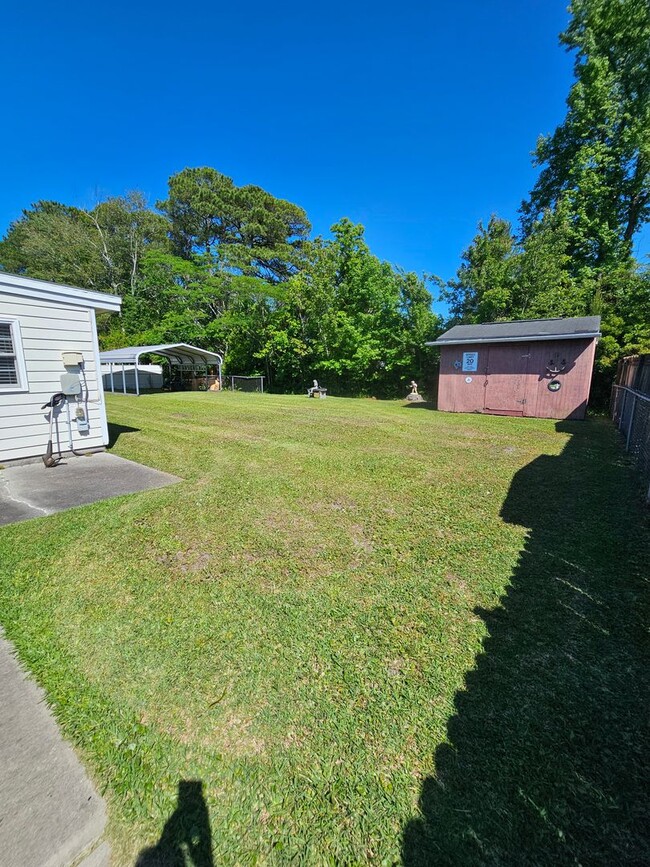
(545,755)
(186,839)
(116,430)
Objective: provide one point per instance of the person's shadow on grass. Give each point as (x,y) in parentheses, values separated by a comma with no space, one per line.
(544,758)
(186,839)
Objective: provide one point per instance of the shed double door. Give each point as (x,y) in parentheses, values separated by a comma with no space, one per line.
(505,379)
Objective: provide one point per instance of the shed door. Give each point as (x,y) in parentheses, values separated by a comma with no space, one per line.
(505,382)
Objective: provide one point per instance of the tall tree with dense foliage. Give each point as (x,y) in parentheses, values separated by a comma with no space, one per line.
(52,241)
(573,255)
(100,248)
(485,281)
(351,320)
(243,229)
(597,162)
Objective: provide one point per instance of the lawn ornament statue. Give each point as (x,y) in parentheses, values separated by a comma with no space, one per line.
(414,396)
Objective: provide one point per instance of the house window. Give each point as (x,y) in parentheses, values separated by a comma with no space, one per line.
(12,363)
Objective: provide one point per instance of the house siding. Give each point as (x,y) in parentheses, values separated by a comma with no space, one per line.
(47,329)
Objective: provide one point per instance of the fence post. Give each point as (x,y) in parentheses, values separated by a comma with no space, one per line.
(629,427)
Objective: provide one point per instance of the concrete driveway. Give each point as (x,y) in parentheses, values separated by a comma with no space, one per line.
(32,491)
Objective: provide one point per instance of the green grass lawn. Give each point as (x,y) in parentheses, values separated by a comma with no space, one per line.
(375,633)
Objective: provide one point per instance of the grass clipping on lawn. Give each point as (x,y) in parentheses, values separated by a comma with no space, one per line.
(376,634)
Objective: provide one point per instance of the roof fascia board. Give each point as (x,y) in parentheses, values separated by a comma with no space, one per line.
(28,287)
(467,340)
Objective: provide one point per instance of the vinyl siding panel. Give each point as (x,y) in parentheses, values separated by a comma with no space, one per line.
(47,329)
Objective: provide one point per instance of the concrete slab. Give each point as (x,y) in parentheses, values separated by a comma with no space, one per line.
(50,813)
(32,491)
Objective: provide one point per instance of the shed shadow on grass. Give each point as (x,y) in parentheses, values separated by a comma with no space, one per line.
(545,755)
(115,431)
(186,839)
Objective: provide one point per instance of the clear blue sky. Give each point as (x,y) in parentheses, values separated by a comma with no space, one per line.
(414,118)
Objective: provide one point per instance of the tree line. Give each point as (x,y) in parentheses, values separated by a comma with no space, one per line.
(235,269)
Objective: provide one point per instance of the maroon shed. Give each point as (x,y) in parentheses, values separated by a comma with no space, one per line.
(533,367)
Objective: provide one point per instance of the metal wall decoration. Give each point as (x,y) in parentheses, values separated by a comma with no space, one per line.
(554,385)
(554,367)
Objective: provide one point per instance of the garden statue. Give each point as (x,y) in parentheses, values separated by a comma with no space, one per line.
(414,397)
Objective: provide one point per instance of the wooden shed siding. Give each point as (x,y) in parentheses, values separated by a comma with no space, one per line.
(571,401)
(454,394)
(512,378)
(47,329)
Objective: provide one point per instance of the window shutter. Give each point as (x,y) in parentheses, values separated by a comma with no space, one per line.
(8,366)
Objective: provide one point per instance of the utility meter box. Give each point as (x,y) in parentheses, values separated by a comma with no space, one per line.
(72,358)
(70,384)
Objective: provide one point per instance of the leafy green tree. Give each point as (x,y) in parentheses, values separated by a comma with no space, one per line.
(241,229)
(349,320)
(51,241)
(96,249)
(485,284)
(597,162)
(544,284)
(126,228)
(573,255)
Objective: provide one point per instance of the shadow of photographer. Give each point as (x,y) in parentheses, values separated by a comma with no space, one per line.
(186,839)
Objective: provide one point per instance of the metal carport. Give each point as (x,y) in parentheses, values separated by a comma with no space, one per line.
(178,354)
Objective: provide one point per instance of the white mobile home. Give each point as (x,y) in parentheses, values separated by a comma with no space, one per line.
(48,344)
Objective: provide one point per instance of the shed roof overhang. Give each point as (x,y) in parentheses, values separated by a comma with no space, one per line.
(177,353)
(522,331)
(441,342)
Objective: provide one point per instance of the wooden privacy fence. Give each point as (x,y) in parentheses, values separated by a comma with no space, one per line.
(631,410)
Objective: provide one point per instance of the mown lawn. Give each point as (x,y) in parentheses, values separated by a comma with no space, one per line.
(375,633)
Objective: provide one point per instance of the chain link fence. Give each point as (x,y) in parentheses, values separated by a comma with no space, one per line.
(631,411)
(245,383)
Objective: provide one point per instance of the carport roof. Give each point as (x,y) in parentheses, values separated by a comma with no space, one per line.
(520,330)
(179,353)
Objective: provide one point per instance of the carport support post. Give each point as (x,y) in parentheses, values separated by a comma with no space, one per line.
(112,381)
(123,380)
(137,383)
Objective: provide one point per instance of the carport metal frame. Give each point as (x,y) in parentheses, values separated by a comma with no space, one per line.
(180,353)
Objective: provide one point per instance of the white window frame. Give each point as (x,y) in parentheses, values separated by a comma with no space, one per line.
(18,354)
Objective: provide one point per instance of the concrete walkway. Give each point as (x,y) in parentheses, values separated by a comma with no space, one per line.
(32,491)
(50,813)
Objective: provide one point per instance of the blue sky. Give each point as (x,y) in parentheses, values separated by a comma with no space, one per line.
(415,119)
